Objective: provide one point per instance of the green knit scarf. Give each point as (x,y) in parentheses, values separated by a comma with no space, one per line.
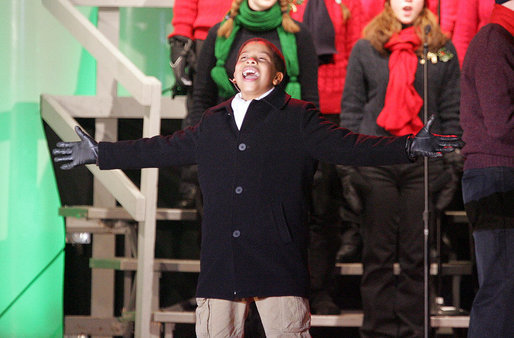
(257,21)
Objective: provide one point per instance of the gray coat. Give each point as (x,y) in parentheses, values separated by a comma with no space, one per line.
(255,183)
(366,84)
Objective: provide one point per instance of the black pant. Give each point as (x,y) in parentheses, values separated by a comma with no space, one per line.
(325,224)
(392,231)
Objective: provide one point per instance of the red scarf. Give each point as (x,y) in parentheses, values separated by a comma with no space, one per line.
(402,102)
(504,17)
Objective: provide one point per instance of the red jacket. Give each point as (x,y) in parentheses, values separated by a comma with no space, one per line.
(193,18)
(448,12)
(471,16)
(331,76)
(371,8)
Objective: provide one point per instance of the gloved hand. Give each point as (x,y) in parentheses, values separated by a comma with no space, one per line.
(431,145)
(76,153)
(182,60)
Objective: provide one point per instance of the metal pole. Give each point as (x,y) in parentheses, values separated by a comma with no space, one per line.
(426,213)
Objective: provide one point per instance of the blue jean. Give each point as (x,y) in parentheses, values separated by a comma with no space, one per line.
(489,202)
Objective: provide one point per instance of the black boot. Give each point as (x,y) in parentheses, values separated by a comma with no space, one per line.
(322,304)
(351,246)
(323,245)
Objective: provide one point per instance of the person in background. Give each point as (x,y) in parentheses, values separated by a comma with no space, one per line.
(257,154)
(471,16)
(191,22)
(353,183)
(487,113)
(247,19)
(335,27)
(383,96)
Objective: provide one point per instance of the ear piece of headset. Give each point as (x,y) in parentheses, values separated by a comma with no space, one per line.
(234,82)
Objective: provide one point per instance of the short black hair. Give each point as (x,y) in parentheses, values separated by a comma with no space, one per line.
(277,56)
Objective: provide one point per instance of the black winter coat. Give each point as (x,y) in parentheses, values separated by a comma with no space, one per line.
(255,183)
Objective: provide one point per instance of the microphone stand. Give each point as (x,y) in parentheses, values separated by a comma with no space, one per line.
(426,213)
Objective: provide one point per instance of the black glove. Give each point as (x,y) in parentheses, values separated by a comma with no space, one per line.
(76,153)
(182,60)
(431,145)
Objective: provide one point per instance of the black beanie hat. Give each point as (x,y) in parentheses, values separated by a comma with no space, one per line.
(499,2)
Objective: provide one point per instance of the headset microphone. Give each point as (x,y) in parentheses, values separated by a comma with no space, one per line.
(234,82)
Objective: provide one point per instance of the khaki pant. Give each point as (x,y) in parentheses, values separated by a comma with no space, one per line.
(285,316)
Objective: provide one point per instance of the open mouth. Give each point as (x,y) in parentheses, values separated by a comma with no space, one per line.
(407,9)
(250,73)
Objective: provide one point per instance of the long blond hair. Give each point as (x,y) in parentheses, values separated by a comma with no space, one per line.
(288,23)
(385,24)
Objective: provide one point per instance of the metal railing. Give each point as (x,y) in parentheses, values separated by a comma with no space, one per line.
(146,90)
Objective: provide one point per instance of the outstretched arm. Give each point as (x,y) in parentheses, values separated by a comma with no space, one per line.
(431,145)
(82,152)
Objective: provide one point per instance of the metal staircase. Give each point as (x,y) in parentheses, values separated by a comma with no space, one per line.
(146,103)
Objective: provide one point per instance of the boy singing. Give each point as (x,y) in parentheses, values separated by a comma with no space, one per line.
(256,156)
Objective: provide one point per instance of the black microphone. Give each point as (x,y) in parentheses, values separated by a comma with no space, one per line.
(428,28)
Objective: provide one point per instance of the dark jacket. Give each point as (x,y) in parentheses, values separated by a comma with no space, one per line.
(366,84)
(255,184)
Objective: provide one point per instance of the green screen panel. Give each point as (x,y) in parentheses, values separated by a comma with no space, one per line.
(32,234)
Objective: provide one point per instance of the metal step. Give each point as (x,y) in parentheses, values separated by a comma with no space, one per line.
(97,326)
(190,265)
(456,216)
(130,264)
(347,318)
(447,269)
(84,218)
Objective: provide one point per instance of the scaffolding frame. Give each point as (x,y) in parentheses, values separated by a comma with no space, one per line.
(110,186)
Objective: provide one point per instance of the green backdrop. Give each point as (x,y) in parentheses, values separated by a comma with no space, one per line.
(39,56)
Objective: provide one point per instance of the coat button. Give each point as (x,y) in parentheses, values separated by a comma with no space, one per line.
(239,190)
(242,147)
(236,233)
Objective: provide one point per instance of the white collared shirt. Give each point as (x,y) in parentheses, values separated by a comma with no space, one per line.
(240,106)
